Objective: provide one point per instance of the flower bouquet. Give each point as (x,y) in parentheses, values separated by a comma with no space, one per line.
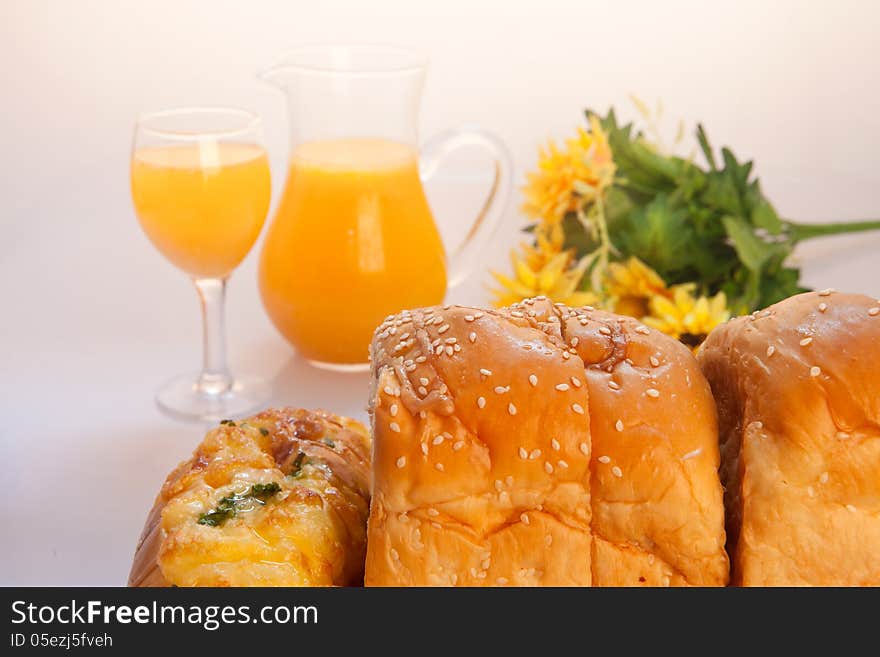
(619,223)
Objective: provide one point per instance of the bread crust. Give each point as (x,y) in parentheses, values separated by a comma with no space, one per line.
(311,532)
(799,408)
(484,426)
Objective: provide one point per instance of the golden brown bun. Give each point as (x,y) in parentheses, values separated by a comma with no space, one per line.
(482,427)
(310,532)
(798,393)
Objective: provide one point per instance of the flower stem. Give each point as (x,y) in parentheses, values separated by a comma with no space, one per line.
(799,231)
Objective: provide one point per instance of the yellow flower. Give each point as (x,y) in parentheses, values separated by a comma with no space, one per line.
(557,278)
(548,244)
(569,178)
(686,317)
(631,285)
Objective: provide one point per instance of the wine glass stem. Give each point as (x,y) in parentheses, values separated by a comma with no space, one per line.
(214,378)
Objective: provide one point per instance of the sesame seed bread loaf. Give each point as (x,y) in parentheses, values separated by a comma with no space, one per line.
(798,397)
(277,499)
(540,445)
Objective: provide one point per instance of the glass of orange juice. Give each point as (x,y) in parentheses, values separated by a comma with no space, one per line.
(354,239)
(201,189)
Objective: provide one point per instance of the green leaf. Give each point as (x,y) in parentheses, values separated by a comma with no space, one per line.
(703,141)
(659,234)
(752,251)
(764,216)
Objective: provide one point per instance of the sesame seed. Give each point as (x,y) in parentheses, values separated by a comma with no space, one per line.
(449,350)
(456,348)
(451,340)
(468,318)
(873,312)
(604,459)
(561,387)
(457,445)
(806,341)
(394,427)
(438,350)
(501,581)
(652,392)
(485,372)
(604,330)
(644,330)
(511,409)
(619,425)
(523,453)
(565,355)
(613,385)
(576,382)
(823,478)
(477,315)
(472,336)
(561,464)
(391,391)
(535,454)
(443,329)
(574,341)
(826,292)
(815,371)
(654,361)
(423,391)
(811,491)
(548,467)
(850,507)
(823,307)
(423,381)
(577,408)
(433,512)
(394,554)
(533,379)
(616,471)
(770,350)
(554,444)
(481,402)
(524,518)
(393,410)
(758,424)
(437,440)
(425,449)
(500,390)
(401,462)
(585,449)
(842,435)
(439,467)
(421,359)
(498,484)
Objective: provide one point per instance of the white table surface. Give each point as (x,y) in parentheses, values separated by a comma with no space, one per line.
(93,320)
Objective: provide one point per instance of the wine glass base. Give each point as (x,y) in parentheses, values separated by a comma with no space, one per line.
(180,398)
(339,367)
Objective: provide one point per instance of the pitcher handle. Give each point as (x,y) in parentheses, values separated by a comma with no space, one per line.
(462,260)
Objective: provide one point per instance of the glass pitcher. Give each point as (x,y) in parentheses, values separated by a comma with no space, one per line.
(353,239)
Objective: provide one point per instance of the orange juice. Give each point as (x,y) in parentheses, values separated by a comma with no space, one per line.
(202,204)
(353,241)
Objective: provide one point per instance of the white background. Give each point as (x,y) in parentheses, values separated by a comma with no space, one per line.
(92,320)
